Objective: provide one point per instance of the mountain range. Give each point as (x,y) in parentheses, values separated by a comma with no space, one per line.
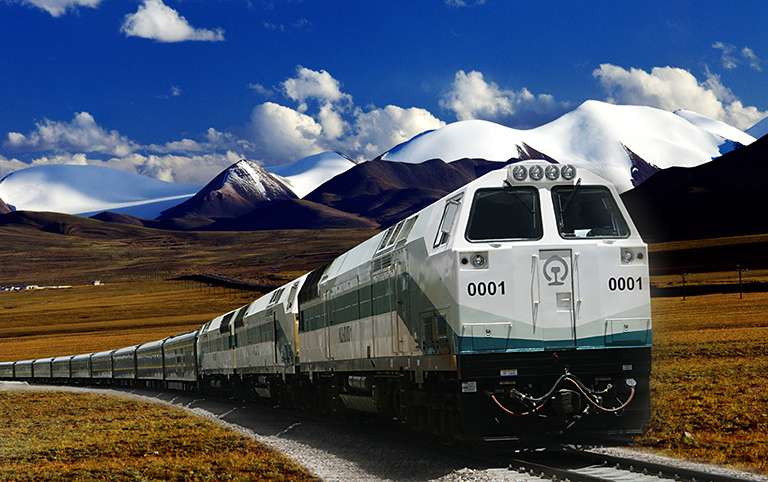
(640,149)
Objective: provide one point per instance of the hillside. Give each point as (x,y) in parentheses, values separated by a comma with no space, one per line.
(722,198)
(55,249)
(292,214)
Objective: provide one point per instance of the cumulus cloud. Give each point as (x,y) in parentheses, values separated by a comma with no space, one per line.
(58,8)
(82,134)
(325,118)
(309,84)
(472,97)
(671,88)
(282,134)
(157,21)
(379,130)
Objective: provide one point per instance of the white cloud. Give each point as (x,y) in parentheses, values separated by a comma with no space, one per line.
(82,134)
(325,118)
(7,166)
(155,20)
(261,90)
(281,134)
(729,56)
(754,60)
(195,169)
(463,3)
(309,84)
(379,130)
(474,98)
(58,8)
(671,88)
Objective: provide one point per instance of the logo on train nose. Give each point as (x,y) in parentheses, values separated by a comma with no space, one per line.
(555,270)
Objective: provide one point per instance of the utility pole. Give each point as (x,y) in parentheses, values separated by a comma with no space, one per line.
(684,273)
(741,291)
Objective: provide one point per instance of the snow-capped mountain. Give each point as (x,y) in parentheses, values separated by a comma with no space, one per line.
(235,191)
(624,144)
(87,190)
(304,175)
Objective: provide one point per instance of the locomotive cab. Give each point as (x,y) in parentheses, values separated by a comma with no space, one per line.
(551,307)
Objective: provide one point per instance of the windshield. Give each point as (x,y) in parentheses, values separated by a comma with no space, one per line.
(505,214)
(588,211)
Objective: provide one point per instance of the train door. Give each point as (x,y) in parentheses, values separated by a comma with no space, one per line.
(401,316)
(283,349)
(554,314)
(327,310)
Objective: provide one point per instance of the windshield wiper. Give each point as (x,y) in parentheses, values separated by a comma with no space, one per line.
(570,197)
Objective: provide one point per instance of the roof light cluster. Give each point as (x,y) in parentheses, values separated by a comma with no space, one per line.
(550,173)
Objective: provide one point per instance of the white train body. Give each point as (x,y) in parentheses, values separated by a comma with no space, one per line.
(515,308)
(450,290)
(483,290)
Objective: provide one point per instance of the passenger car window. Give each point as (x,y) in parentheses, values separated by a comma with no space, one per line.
(500,214)
(588,211)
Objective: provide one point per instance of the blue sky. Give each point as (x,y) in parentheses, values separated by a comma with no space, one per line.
(180,89)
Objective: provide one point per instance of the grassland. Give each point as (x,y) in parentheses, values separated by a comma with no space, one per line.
(710,380)
(59,436)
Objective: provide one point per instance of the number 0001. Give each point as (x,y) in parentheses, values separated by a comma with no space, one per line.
(625,284)
(490,288)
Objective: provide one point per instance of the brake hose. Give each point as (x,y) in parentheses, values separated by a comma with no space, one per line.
(554,387)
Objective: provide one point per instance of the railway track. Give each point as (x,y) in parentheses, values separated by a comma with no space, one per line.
(581,466)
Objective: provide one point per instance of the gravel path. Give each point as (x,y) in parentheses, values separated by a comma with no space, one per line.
(338,452)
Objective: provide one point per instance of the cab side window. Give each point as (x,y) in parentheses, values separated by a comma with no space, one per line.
(447,222)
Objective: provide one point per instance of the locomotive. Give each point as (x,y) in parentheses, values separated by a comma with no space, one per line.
(515,309)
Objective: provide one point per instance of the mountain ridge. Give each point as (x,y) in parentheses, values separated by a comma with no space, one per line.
(235,191)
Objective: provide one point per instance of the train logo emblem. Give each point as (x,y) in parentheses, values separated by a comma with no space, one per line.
(553,268)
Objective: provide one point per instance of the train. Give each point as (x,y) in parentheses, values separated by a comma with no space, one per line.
(515,309)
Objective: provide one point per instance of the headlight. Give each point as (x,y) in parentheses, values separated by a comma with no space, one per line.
(536,173)
(568,172)
(627,256)
(478,260)
(552,172)
(519,173)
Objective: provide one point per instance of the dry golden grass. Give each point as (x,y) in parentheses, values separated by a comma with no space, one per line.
(710,380)
(86,319)
(58,436)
